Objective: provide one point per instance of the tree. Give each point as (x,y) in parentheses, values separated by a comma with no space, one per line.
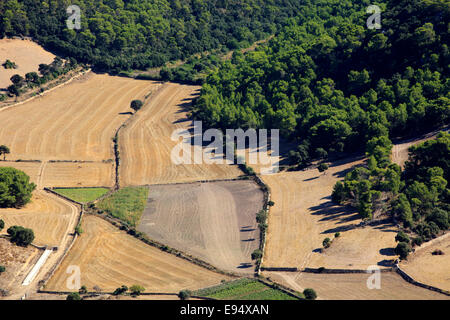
(184,294)
(136,105)
(136,290)
(83,290)
(310,294)
(15,188)
(20,235)
(120,290)
(17,80)
(326,242)
(32,77)
(257,254)
(2,269)
(322,167)
(74,296)
(4,150)
(402,237)
(2,224)
(403,249)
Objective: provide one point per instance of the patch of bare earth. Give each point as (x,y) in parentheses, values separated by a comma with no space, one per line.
(214,221)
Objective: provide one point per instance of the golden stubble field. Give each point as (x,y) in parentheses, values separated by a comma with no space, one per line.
(146,144)
(109,258)
(28,55)
(304,215)
(50,217)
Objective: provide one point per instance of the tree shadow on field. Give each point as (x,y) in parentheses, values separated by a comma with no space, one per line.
(245,265)
(388,252)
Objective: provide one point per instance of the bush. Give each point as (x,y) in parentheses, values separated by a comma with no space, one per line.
(257,254)
(73,296)
(83,290)
(403,249)
(136,105)
(326,242)
(437,252)
(136,290)
(322,167)
(184,294)
(120,290)
(2,224)
(20,235)
(402,237)
(337,234)
(15,188)
(310,294)
(2,269)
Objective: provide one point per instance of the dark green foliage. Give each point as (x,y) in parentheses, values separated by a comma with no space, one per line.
(402,237)
(322,167)
(73,296)
(120,290)
(83,290)
(136,105)
(138,34)
(326,242)
(136,290)
(184,294)
(2,224)
(2,269)
(20,235)
(257,254)
(8,64)
(15,188)
(310,294)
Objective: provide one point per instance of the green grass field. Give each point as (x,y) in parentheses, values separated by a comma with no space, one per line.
(127,204)
(83,195)
(244,289)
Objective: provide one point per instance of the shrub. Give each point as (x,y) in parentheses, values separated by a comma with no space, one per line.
(184,294)
(257,254)
(15,188)
(337,234)
(20,235)
(417,241)
(270,203)
(136,290)
(73,296)
(83,290)
(2,224)
(120,290)
(136,105)
(310,294)
(437,252)
(326,242)
(403,249)
(402,237)
(2,269)
(322,167)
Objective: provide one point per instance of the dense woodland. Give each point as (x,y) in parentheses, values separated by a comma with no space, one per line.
(137,34)
(331,84)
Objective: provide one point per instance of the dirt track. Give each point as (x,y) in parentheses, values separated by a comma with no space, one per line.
(26,54)
(354,286)
(213,221)
(146,145)
(109,258)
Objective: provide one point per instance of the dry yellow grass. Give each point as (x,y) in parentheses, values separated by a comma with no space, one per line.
(75,122)
(109,258)
(26,54)
(354,286)
(49,216)
(430,269)
(304,215)
(146,144)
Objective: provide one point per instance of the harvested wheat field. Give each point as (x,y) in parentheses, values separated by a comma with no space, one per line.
(18,261)
(73,174)
(47,215)
(75,122)
(146,144)
(430,269)
(109,258)
(32,169)
(304,215)
(353,286)
(214,221)
(26,54)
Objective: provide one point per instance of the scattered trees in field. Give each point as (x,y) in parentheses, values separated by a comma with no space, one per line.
(74,296)
(122,290)
(15,188)
(8,64)
(136,290)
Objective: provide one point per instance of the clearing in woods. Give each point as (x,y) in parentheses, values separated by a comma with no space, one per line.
(304,215)
(27,55)
(49,216)
(215,221)
(146,144)
(353,286)
(430,269)
(109,258)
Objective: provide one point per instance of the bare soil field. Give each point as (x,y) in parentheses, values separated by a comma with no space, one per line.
(47,215)
(88,174)
(353,286)
(75,122)
(146,144)
(109,258)
(32,169)
(304,215)
(26,54)
(430,269)
(214,221)
(18,262)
